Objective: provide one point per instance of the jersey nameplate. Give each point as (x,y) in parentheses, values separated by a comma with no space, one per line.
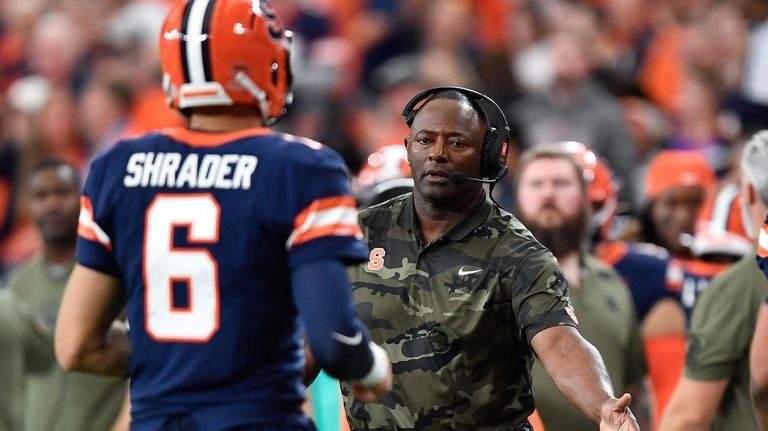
(220,171)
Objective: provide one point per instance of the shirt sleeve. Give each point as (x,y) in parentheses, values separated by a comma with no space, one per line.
(325,219)
(540,295)
(635,355)
(720,331)
(94,243)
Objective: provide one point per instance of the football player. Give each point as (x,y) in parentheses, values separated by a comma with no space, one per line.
(226,241)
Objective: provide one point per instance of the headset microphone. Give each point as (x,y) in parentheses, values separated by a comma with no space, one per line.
(458,178)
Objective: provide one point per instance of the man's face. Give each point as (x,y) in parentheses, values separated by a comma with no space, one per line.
(551,203)
(673,213)
(446,136)
(54,203)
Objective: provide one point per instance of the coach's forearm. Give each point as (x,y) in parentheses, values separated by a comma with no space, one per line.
(576,368)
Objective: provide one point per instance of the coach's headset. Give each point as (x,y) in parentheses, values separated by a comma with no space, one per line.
(493,156)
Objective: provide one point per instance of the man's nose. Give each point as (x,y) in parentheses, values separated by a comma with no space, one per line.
(439,150)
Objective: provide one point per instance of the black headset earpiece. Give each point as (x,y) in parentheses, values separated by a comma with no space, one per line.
(493,155)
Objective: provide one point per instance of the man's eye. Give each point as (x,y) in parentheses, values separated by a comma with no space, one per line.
(423,141)
(458,144)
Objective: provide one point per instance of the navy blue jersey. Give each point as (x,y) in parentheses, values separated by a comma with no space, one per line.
(204,229)
(645,269)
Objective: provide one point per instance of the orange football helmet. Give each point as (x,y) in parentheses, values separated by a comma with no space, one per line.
(601,188)
(720,227)
(385,174)
(226,52)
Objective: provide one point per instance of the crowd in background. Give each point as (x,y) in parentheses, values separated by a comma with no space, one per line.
(629,78)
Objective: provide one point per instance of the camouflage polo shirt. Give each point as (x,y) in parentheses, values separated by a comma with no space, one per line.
(456,317)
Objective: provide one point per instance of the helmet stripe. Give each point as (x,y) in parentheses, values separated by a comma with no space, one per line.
(183,40)
(205,47)
(722,208)
(194,40)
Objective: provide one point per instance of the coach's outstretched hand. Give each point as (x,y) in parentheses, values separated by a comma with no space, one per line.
(615,415)
(762,247)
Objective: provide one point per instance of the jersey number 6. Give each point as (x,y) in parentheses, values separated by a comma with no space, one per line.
(166,267)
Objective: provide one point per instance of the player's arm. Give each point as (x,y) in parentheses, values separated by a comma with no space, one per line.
(338,341)
(579,373)
(758,354)
(693,404)
(758,367)
(87,339)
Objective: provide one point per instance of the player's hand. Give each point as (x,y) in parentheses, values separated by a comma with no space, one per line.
(762,247)
(368,394)
(615,415)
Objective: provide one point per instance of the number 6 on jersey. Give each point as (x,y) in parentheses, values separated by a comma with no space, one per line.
(165,264)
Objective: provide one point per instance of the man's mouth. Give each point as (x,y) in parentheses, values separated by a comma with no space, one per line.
(436,175)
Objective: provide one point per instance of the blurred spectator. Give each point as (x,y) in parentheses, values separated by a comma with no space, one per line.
(714,390)
(55,399)
(574,107)
(26,350)
(553,203)
(696,122)
(56,49)
(104,114)
(675,187)
(627,32)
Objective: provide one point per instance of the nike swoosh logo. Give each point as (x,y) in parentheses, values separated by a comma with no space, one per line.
(474,271)
(349,341)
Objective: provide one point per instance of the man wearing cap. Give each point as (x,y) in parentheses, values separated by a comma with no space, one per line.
(676,185)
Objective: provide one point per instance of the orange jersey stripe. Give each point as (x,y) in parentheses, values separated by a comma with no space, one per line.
(323,204)
(87,227)
(612,252)
(342,229)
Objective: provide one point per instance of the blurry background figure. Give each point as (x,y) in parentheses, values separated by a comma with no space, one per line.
(555,202)
(713,393)
(26,350)
(650,130)
(104,114)
(675,187)
(384,175)
(54,399)
(573,106)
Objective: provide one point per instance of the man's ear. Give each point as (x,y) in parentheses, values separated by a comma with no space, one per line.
(406,142)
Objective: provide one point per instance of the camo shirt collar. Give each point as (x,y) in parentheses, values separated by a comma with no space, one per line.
(406,219)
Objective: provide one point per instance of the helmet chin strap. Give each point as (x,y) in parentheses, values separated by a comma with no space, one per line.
(258,94)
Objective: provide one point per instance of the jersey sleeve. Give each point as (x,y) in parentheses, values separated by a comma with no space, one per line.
(325,221)
(720,332)
(94,243)
(762,248)
(540,295)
